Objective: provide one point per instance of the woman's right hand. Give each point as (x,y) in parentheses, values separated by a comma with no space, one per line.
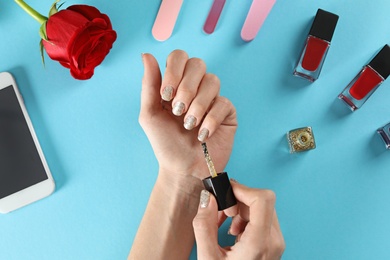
(256,226)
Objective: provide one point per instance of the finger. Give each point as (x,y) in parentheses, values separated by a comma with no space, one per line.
(276,222)
(221,112)
(173,75)
(261,205)
(207,92)
(151,81)
(238,238)
(205,226)
(238,225)
(193,74)
(221,218)
(277,244)
(232,211)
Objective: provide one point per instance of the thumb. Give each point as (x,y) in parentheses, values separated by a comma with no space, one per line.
(151,83)
(205,226)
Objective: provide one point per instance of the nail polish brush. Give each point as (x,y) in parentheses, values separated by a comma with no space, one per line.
(218,184)
(209,162)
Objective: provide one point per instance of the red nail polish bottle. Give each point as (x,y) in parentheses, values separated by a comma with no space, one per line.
(368,80)
(317,45)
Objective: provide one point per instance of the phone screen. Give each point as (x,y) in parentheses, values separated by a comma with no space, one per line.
(20,163)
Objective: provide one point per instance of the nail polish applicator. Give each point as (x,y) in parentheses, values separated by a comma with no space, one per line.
(218,184)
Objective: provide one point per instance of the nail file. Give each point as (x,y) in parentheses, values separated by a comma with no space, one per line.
(166,19)
(213,17)
(256,16)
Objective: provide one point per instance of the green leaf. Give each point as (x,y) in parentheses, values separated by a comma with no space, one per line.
(42,31)
(53,8)
(41,47)
(58,8)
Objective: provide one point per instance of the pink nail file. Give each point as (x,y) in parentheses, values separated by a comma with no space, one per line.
(166,19)
(256,16)
(214,14)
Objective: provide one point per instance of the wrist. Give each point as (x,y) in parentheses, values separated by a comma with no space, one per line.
(180,183)
(181,195)
(168,218)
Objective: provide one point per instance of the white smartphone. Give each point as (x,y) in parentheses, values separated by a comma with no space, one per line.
(24,174)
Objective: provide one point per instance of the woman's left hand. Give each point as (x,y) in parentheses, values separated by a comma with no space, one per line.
(183,109)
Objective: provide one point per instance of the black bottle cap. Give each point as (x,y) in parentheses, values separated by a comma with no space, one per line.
(221,188)
(381,62)
(324,25)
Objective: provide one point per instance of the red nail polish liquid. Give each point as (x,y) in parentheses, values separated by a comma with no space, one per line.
(368,80)
(317,45)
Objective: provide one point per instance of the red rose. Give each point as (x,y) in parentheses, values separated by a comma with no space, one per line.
(79,37)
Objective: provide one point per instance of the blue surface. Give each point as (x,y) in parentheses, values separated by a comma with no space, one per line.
(333,202)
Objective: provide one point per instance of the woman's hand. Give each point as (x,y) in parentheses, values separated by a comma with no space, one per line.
(175,132)
(256,226)
(182,110)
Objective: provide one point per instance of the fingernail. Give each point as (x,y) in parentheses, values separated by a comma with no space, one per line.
(190,122)
(142,57)
(204,199)
(233,180)
(178,109)
(203,134)
(167,93)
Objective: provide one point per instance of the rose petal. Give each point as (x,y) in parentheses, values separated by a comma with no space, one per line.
(60,29)
(65,64)
(86,39)
(89,12)
(81,75)
(100,23)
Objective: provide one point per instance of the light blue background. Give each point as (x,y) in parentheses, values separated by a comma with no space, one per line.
(332,202)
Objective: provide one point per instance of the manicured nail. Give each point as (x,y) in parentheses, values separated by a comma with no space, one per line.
(167,93)
(178,109)
(190,122)
(203,134)
(204,199)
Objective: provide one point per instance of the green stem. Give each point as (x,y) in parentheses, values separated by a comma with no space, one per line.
(37,16)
